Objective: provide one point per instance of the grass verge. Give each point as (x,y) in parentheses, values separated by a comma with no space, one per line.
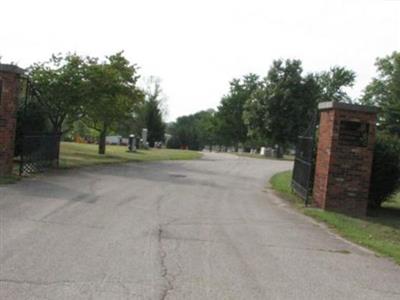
(9,179)
(77,155)
(380,233)
(258,156)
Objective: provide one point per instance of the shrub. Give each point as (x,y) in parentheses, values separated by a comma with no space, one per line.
(385,178)
(173,143)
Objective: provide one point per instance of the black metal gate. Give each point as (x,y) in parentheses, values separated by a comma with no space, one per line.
(38,153)
(37,150)
(304,163)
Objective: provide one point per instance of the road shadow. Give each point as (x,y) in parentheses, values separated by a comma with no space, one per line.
(160,172)
(37,188)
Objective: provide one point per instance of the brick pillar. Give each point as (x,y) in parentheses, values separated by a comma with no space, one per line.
(344,157)
(9,91)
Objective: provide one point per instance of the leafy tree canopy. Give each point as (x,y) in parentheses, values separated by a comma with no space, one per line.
(152,114)
(283,105)
(384,91)
(230,125)
(60,86)
(111,85)
(193,131)
(333,83)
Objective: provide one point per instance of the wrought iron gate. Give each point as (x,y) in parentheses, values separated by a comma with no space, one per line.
(304,163)
(38,153)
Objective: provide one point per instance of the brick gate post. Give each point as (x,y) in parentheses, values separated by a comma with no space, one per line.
(9,91)
(344,157)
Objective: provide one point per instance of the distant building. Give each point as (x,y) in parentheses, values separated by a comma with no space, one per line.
(114,140)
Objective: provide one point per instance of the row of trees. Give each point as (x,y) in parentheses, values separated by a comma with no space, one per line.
(75,93)
(275,109)
(272,110)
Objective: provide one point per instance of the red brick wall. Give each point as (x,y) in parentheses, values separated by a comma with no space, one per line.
(8,109)
(343,172)
(323,157)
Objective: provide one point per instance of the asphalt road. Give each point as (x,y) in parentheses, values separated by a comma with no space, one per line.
(204,229)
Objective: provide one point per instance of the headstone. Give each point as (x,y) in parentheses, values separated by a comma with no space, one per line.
(263,151)
(144,138)
(344,157)
(132,143)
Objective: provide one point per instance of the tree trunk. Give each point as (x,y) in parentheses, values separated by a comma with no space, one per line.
(57,136)
(102,141)
(279,152)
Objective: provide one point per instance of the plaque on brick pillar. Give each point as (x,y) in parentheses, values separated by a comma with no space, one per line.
(344,157)
(9,88)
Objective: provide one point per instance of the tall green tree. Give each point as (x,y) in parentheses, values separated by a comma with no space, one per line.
(61,89)
(184,133)
(152,114)
(332,84)
(148,113)
(231,127)
(384,91)
(286,101)
(283,106)
(206,124)
(112,86)
(255,117)
(193,131)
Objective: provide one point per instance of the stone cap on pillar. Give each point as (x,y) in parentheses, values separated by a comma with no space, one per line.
(7,68)
(347,106)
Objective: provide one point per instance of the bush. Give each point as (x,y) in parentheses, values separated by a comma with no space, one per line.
(173,143)
(385,178)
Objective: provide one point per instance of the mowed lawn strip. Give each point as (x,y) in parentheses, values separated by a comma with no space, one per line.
(9,179)
(77,155)
(380,233)
(259,156)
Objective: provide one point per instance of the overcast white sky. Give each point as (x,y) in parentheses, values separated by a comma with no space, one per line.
(197,47)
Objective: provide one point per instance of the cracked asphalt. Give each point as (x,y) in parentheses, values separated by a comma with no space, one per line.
(202,229)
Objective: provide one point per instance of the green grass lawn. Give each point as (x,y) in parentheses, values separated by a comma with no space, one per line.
(380,233)
(78,155)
